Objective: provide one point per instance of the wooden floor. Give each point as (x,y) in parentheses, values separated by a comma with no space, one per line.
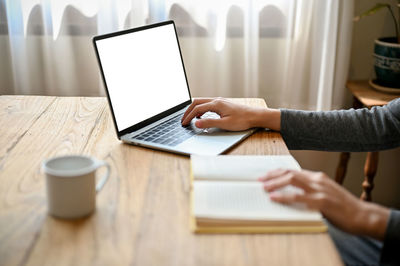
(142,215)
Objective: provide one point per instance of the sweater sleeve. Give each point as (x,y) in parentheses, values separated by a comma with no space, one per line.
(345,130)
(391,243)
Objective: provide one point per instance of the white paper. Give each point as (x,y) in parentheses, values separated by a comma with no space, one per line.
(244,200)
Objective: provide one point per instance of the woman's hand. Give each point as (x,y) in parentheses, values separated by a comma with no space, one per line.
(233,116)
(338,205)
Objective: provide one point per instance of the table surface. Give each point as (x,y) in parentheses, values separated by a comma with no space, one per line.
(142,215)
(367,95)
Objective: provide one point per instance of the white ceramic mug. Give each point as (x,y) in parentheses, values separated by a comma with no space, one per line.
(71,185)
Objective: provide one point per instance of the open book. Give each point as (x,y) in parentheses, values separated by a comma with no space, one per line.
(227,197)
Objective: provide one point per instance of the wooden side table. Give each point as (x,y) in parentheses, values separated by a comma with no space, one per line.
(364,96)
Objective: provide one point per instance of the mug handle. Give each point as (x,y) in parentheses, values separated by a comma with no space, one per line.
(104,179)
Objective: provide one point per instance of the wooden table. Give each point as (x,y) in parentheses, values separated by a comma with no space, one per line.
(142,215)
(364,96)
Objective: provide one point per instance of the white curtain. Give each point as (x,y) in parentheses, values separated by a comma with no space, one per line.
(293,53)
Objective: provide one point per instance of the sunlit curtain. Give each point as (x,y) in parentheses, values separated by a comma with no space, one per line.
(293,53)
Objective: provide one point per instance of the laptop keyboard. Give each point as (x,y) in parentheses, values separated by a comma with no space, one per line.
(171,132)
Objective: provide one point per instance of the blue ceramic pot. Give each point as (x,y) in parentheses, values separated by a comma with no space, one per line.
(387,62)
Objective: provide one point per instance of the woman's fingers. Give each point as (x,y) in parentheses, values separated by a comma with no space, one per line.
(287,198)
(273,174)
(212,122)
(198,111)
(312,201)
(193,105)
(281,178)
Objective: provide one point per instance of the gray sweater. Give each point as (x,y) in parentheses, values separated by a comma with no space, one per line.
(354,131)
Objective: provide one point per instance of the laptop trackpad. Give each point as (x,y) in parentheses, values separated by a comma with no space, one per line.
(212,143)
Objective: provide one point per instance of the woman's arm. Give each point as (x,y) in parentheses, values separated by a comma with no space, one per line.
(338,205)
(345,130)
(341,208)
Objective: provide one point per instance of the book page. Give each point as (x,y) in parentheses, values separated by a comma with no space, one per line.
(238,167)
(246,201)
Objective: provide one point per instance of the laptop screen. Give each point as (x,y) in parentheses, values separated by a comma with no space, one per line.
(143,72)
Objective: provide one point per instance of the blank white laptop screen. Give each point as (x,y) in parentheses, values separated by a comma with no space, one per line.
(144,73)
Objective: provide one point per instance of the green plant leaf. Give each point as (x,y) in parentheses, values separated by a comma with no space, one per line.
(372,11)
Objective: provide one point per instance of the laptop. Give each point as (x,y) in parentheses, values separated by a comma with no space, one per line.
(148,93)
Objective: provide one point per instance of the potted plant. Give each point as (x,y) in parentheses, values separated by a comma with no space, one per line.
(386,52)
